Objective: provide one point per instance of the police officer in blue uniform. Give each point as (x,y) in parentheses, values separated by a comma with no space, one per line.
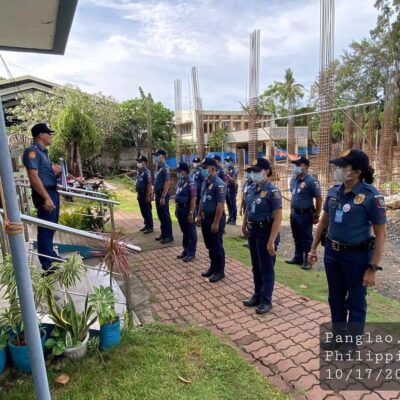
(185,200)
(212,219)
(143,190)
(162,196)
(304,188)
(231,190)
(220,170)
(42,174)
(247,188)
(197,178)
(353,210)
(261,225)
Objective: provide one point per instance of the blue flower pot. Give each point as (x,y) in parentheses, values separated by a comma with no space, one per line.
(20,354)
(3,359)
(110,335)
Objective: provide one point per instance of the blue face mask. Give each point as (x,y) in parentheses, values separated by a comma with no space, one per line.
(180,175)
(257,176)
(297,170)
(204,172)
(157,159)
(248,175)
(229,164)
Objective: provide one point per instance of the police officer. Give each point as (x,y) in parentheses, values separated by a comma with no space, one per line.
(162,196)
(143,190)
(247,187)
(42,174)
(304,188)
(185,199)
(220,170)
(212,219)
(261,225)
(352,210)
(197,178)
(231,191)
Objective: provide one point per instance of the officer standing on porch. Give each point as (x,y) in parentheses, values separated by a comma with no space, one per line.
(42,174)
(212,219)
(185,200)
(304,188)
(143,190)
(162,196)
(231,191)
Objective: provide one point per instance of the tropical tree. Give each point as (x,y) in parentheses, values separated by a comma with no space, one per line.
(283,95)
(217,139)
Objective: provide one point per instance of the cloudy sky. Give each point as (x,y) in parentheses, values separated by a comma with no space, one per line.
(117,45)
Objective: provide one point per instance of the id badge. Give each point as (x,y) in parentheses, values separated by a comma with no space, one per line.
(339,216)
(204,198)
(294,191)
(253,208)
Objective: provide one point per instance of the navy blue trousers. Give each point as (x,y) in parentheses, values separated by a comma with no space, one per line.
(189,239)
(214,243)
(45,236)
(164,217)
(145,210)
(302,225)
(347,295)
(263,264)
(231,194)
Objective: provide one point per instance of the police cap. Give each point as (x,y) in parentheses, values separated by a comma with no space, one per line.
(160,152)
(182,166)
(259,164)
(142,159)
(37,129)
(209,162)
(301,160)
(354,157)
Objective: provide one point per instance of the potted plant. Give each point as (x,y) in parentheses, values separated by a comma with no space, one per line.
(3,349)
(75,326)
(19,350)
(103,301)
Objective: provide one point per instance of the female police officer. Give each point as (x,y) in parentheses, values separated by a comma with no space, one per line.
(261,225)
(351,260)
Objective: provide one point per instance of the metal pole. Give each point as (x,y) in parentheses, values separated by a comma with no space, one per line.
(23,279)
(111,206)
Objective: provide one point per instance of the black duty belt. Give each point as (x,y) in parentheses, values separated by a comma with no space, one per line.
(348,248)
(301,210)
(209,214)
(259,224)
(182,205)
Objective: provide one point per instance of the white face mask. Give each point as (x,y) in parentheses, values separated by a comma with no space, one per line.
(195,165)
(297,170)
(341,175)
(257,176)
(140,165)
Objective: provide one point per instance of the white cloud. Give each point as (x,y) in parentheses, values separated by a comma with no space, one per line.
(115,46)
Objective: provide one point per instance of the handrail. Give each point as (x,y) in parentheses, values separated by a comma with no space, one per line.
(66,229)
(71,188)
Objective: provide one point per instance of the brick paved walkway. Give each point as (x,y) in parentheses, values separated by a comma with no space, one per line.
(283,344)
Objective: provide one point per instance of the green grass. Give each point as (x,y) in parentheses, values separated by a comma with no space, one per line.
(313,283)
(148,364)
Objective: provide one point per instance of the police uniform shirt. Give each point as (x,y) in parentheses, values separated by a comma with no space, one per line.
(248,188)
(212,193)
(303,190)
(262,202)
(352,214)
(221,174)
(36,157)
(197,179)
(161,177)
(142,180)
(185,191)
(232,173)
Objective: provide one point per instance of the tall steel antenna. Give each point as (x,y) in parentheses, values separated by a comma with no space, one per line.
(178,118)
(326,56)
(254,75)
(198,114)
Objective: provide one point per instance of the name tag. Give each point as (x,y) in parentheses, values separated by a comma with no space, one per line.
(204,198)
(339,216)
(253,207)
(294,191)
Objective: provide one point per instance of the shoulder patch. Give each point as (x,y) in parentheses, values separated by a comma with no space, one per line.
(32,154)
(380,201)
(221,188)
(276,194)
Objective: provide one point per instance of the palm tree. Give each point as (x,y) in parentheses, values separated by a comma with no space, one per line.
(286,94)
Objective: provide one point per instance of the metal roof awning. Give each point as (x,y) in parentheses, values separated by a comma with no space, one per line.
(39,26)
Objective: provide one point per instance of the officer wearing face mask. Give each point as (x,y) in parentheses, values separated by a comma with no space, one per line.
(220,170)
(143,190)
(185,200)
(231,191)
(353,211)
(162,196)
(211,218)
(261,225)
(197,178)
(304,188)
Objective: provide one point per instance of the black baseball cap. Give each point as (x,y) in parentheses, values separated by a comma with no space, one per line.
(37,129)
(196,160)
(260,164)
(356,158)
(209,162)
(141,159)
(216,157)
(182,166)
(247,168)
(301,160)
(160,151)
(228,158)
